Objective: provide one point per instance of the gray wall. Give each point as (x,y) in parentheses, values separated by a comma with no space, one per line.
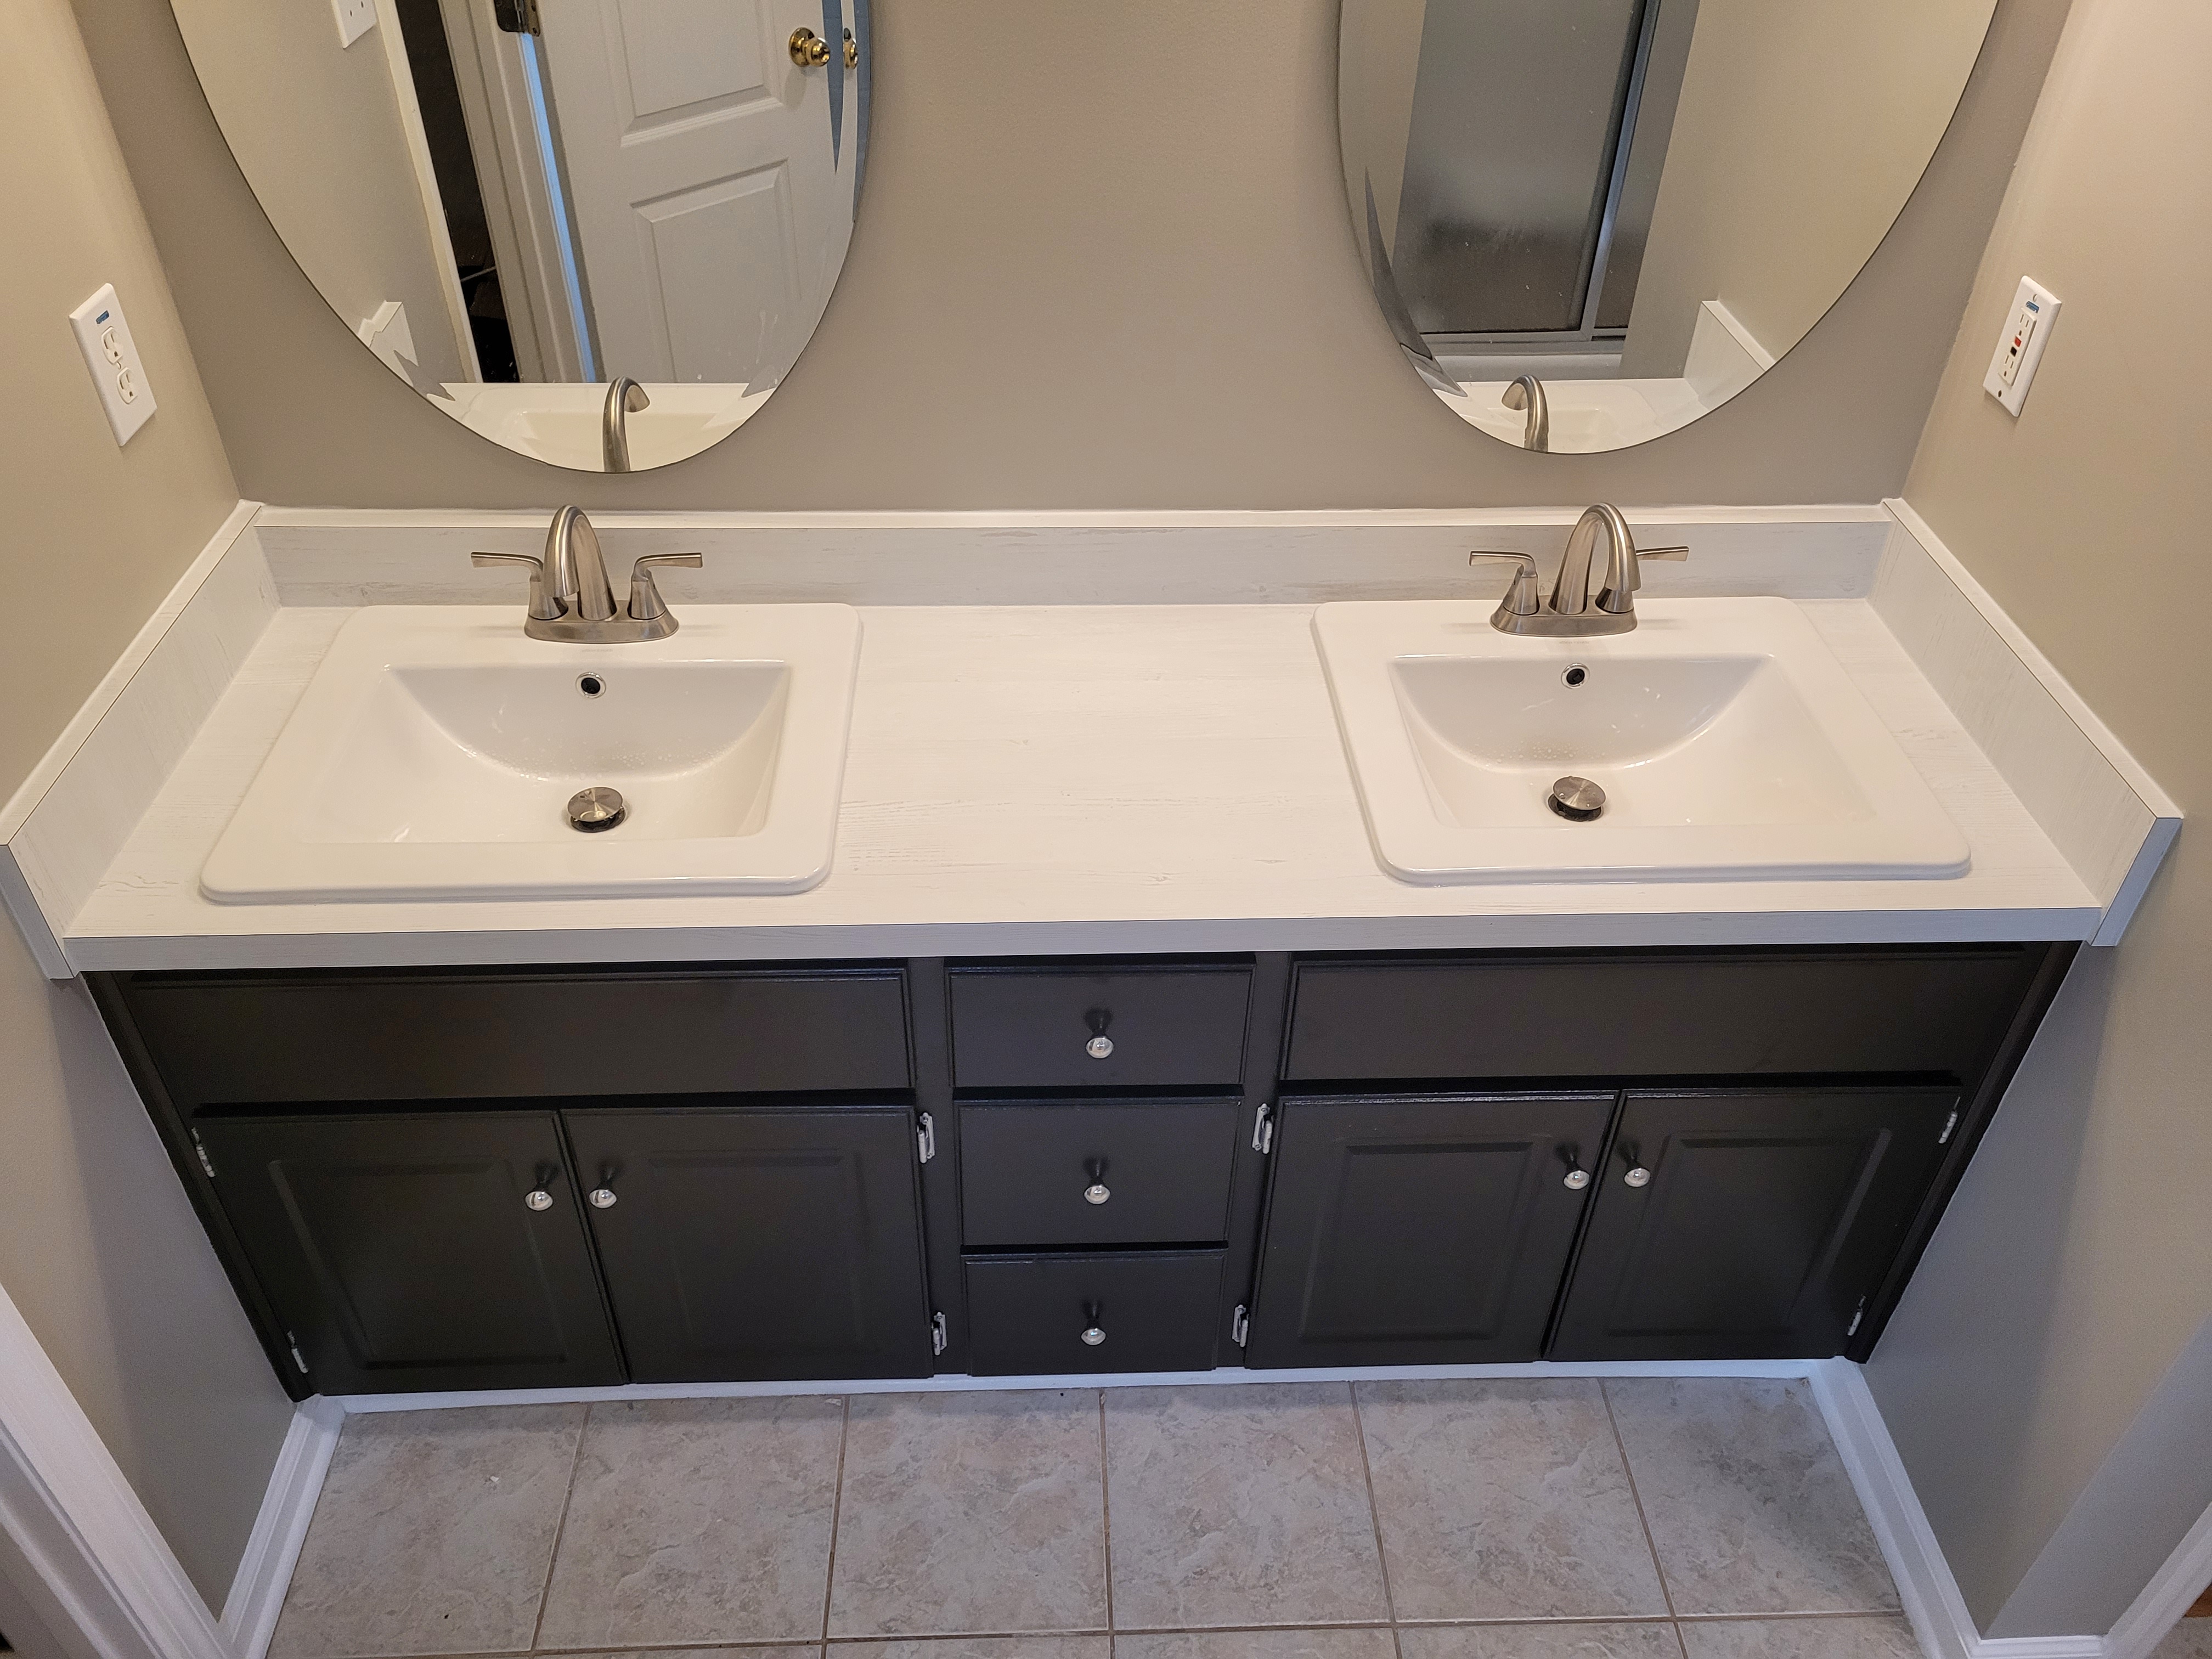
(99,1248)
(1104,264)
(2047,1378)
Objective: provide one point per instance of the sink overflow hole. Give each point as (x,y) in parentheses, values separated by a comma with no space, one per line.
(590,684)
(1576,674)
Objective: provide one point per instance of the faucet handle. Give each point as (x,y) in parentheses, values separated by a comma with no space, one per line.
(1672,555)
(645,601)
(1619,600)
(543,607)
(1523,599)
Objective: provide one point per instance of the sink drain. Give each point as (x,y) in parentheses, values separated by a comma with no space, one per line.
(596,808)
(1576,799)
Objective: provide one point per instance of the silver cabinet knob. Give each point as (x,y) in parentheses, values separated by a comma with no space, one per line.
(540,1200)
(1099,1047)
(1093,1336)
(602,1198)
(1577,1180)
(1097,1193)
(1638,1176)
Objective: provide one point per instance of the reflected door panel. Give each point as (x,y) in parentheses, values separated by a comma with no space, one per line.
(700,164)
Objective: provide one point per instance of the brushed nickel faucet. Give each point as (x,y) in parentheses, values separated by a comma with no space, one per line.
(1527,392)
(570,598)
(1570,613)
(624,398)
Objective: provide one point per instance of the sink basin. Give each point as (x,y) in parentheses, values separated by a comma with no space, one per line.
(1729,743)
(434,752)
(561,423)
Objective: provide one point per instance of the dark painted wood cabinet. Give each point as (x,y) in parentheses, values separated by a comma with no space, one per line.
(1749,1224)
(1407,1230)
(418,1250)
(744,1242)
(857,1169)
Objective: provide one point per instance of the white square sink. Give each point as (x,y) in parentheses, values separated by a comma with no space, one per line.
(1729,743)
(434,754)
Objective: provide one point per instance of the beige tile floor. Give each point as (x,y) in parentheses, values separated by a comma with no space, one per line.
(1463,1520)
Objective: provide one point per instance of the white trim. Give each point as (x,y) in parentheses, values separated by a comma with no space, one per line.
(960,1384)
(2177,1583)
(113,1589)
(1925,1587)
(264,1572)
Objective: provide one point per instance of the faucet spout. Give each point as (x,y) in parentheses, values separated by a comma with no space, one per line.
(1527,392)
(577,572)
(1571,592)
(624,398)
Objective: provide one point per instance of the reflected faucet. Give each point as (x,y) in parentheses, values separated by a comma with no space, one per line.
(1569,613)
(570,598)
(624,398)
(1527,392)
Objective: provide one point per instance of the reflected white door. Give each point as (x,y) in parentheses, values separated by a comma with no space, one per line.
(711,215)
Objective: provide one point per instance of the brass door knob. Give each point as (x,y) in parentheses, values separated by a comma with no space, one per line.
(808,49)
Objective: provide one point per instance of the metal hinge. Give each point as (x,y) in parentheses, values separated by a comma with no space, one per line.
(298,1358)
(925,1135)
(1949,1124)
(1263,1129)
(1240,1325)
(1859,1313)
(206,1162)
(937,1336)
(517,16)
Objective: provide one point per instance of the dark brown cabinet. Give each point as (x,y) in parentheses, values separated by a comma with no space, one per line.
(1415,1229)
(1044,1028)
(742,1243)
(1089,1172)
(418,1250)
(1094,1310)
(1748,1223)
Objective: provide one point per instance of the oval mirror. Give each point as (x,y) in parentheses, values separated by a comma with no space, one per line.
(598,232)
(1591,222)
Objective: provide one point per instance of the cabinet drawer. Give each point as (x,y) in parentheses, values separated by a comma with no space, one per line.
(1032,1172)
(1027,1314)
(1658,1014)
(245,1039)
(1031,1028)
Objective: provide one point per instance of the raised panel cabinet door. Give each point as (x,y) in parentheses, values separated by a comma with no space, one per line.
(1750,1223)
(1417,1230)
(418,1250)
(741,1244)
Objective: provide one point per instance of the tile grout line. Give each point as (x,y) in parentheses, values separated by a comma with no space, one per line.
(1106,1519)
(560,1531)
(1636,1496)
(1375,1517)
(837,1520)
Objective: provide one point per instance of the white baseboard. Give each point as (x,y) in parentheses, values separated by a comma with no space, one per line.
(1925,1587)
(257,1593)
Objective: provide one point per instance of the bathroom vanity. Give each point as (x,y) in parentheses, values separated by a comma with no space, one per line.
(475,1178)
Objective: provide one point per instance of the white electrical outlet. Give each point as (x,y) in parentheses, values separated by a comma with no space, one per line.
(2027,330)
(113,356)
(356,19)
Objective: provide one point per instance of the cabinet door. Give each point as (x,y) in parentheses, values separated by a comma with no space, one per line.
(745,1243)
(1421,1230)
(418,1250)
(1748,1225)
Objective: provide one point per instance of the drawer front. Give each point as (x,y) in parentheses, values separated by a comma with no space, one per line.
(1095,1172)
(1171,1027)
(1656,1015)
(250,1039)
(1157,1311)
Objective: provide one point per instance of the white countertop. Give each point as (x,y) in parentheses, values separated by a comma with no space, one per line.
(1069,779)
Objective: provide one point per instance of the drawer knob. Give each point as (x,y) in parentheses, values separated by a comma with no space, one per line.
(1638,1176)
(603,1198)
(539,1200)
(1577,1180)
(1099,1047)
(1093,1335)
(1097,1193)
